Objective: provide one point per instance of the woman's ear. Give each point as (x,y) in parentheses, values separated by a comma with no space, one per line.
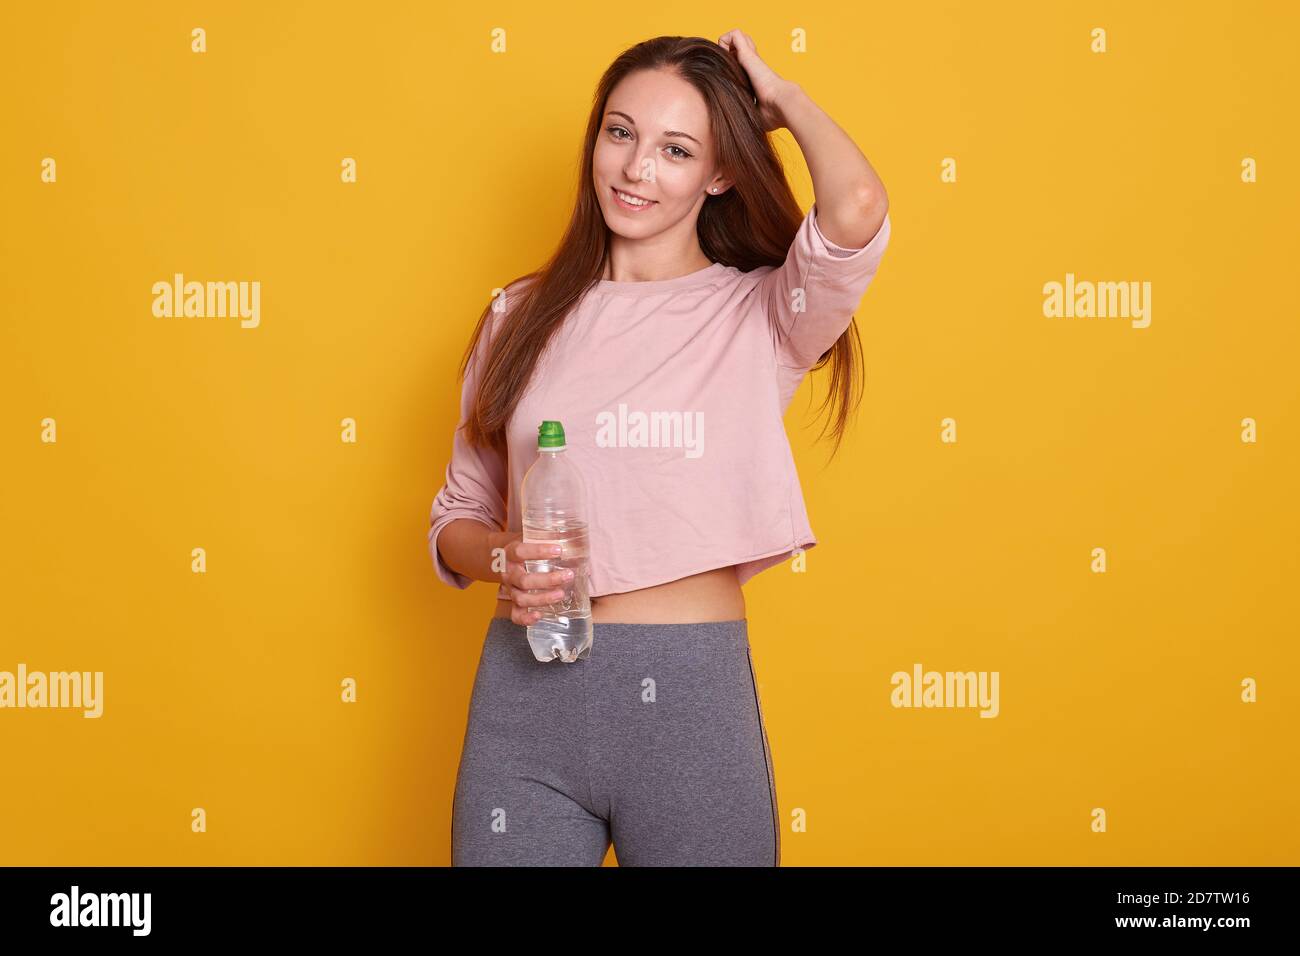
(719,186)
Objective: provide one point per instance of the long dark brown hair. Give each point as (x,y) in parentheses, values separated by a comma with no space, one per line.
(751,224)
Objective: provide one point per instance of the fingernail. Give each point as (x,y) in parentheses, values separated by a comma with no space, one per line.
(568,573)
(556,549)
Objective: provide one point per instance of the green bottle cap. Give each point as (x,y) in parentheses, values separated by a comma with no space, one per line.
(550,435)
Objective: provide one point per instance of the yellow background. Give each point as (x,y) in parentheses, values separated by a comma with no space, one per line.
(222,690)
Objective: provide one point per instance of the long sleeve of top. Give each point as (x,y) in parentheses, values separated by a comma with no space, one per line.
(476,481)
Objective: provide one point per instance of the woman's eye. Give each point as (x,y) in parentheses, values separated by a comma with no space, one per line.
(618,132)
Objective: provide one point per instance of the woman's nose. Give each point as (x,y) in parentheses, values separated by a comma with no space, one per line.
(640,169)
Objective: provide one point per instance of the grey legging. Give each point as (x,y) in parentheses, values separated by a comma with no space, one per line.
(656,741)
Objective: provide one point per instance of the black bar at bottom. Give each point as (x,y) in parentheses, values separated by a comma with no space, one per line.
(332,904)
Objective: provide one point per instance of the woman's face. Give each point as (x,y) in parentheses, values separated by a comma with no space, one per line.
(655,143)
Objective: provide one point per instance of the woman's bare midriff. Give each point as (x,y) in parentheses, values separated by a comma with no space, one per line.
(709,596)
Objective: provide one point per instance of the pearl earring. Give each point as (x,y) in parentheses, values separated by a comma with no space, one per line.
(713,189)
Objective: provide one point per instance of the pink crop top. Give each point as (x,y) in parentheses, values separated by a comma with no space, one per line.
(672,394)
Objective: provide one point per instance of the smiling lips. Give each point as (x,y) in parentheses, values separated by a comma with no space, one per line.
(631,201)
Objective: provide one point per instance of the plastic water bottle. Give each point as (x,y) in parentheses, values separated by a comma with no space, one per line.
(554,501)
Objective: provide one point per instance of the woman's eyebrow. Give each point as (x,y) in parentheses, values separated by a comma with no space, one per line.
(667,132)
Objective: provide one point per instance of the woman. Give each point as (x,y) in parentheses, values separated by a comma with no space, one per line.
(668,333)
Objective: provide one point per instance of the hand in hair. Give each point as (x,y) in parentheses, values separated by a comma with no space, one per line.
(769,88)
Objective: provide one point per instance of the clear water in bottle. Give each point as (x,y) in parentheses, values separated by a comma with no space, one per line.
(553,500)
